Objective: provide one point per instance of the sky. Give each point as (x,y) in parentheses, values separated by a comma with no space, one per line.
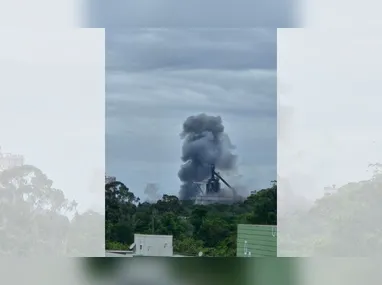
(156,78)
(192,14)
(332,135)
(45,113)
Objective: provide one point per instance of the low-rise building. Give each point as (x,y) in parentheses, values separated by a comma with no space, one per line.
(9,160)
(256,241)
(147,245)
(152,245)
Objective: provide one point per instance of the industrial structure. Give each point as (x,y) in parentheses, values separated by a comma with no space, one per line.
(109,179)
(213,192)
(256,241)
(8,160)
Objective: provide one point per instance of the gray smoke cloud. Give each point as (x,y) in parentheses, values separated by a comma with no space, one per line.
(152,193)
(204,143)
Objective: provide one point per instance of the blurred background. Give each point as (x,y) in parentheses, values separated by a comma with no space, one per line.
(224,271)
(213,14)
(149,271)
(108,14)
(187,271)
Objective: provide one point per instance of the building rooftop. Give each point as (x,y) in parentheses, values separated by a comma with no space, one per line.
(121,253)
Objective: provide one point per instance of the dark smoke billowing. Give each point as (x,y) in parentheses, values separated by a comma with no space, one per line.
(204,143)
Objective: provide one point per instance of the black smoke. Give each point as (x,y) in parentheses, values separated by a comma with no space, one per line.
(204,143)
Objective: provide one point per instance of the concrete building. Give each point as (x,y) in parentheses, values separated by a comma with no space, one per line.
(152,245)
(147,245)
(119,253)
(256,241)
(330,190)
(8,160)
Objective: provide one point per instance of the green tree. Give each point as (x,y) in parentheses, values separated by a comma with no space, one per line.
(264,205)
(210,229)
(120,208)
(33,214)
(343,223)
(213,230)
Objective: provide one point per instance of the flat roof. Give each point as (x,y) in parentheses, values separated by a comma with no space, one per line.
(112,254)
(153,235)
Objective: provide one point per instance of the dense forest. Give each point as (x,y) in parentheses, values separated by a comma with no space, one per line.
(207,228)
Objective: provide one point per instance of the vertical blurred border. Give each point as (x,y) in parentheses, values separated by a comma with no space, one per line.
(52,114)
(329,195)
(348,14)
(42,14)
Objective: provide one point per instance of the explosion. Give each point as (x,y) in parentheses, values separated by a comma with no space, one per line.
(204,143)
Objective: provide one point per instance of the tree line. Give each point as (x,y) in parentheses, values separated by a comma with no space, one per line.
(211,229)
(343,223)
(36,219)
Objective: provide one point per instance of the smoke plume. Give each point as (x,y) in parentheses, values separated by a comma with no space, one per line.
(204,143)
(152,193)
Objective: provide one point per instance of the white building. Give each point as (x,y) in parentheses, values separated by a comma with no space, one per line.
(152,245)
(330,190)
(8,160)
(118,253)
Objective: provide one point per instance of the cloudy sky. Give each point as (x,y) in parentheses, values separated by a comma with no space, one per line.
(156,78)
(73,60)
(332,135)
(195,13)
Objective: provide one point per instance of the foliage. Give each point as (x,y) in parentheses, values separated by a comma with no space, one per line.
(345,223)
(34,218)
(210,229)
